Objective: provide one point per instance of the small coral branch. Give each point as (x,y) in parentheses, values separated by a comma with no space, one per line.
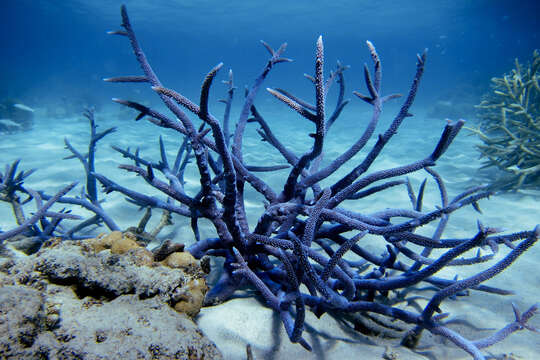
(89,195)
(88,159)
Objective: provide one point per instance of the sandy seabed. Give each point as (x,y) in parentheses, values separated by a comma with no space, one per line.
(243,320)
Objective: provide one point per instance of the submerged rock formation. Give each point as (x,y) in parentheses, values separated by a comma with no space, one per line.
(101,299)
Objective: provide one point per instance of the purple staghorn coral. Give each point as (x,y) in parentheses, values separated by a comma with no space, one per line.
(280,254)
(43,222)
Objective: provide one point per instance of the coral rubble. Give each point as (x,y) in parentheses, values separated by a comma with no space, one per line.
(510,127)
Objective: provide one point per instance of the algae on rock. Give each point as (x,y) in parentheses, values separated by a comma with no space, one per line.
(510,127)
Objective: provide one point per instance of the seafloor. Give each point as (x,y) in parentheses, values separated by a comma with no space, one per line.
(241,321)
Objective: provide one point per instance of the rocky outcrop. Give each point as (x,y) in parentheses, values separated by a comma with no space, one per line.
(86,300)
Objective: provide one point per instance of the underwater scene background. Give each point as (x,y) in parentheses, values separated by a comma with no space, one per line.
(55,55)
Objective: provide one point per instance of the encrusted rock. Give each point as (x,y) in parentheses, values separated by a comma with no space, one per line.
(180,260)
(189,298)
(81,300)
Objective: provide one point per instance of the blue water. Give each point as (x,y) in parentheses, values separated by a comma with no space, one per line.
(53,49)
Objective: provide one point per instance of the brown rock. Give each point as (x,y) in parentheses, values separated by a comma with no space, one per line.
(180,260)
(123,245)
(190,297)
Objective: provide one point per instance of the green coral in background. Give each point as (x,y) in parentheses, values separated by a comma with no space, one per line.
(510,127)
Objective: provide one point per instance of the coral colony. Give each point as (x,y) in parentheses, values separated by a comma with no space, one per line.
(510,127)
(294,255)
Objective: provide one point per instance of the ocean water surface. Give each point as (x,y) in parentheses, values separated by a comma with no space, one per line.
(55,55)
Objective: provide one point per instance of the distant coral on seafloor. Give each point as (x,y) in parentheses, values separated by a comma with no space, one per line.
(457,102)
(15,117)
(510,127)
